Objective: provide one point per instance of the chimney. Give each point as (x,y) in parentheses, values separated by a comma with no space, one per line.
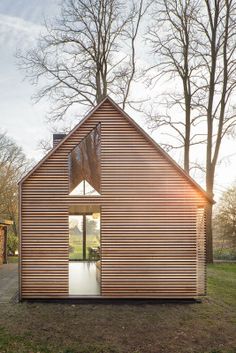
(57,138)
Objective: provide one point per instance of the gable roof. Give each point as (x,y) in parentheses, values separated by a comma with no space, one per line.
(148,137)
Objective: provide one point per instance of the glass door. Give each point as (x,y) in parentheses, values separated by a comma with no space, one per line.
(84,237)
(84,254)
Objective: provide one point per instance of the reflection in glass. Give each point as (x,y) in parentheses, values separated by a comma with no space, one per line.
(76,237)
(93,237)
(84,253)
(84,165)
(84,188)
(84,237)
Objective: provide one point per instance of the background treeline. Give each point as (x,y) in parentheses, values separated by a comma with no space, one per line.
(13,164)
(224,226)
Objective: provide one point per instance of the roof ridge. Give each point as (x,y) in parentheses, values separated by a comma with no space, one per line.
(139,128)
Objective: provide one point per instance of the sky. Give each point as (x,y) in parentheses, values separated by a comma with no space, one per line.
(21,21)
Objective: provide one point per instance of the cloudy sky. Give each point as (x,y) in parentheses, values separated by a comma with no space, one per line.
(20,23)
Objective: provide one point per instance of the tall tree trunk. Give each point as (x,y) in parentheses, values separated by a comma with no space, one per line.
(209,188)
(209,184)
(187,103)
(98,85)
(213,157)
(209,237)
(209,165)
(187,133)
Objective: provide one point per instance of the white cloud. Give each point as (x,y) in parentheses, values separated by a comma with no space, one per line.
(16,32)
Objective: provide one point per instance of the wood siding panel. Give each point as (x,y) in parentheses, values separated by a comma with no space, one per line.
(201,251)
(149,236)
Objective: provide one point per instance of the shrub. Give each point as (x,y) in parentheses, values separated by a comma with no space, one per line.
(225,254)
(12,243)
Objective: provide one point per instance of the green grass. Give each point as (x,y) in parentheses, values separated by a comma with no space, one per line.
(23,344)
(208,327)
(222,282)
(18,344)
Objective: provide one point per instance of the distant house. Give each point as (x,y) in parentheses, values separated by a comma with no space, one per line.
(107,213)
(3,240)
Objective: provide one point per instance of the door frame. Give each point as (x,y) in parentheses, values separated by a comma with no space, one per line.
(84,214)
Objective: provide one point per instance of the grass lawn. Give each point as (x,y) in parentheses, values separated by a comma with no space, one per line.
(209,327)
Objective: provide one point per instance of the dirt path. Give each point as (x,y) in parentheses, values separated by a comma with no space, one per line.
(8,282)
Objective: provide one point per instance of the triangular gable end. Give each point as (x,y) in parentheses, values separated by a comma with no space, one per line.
(139,129)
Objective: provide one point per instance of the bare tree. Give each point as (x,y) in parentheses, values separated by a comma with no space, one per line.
(86,53)
(171,37)
(217,50)
(13,165)
(197,45)
(224,222)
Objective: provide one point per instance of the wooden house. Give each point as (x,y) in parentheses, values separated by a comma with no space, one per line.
(108,214)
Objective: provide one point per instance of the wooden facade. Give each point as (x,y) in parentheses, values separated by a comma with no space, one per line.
(152,217)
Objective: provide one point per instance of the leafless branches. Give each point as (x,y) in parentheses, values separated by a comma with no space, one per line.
(13,164)
(194,43)
(217,51)
(85,54)
(171,37)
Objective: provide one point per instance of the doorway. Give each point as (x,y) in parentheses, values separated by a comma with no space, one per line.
(84,254)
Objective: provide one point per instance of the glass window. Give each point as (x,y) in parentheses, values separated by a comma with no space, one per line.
(84,165)
(84,237)
(76,237)
(93,237)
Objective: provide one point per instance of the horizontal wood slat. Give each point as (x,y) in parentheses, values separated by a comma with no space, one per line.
(152,232)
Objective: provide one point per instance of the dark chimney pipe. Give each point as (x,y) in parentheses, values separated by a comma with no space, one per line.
(57,138)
